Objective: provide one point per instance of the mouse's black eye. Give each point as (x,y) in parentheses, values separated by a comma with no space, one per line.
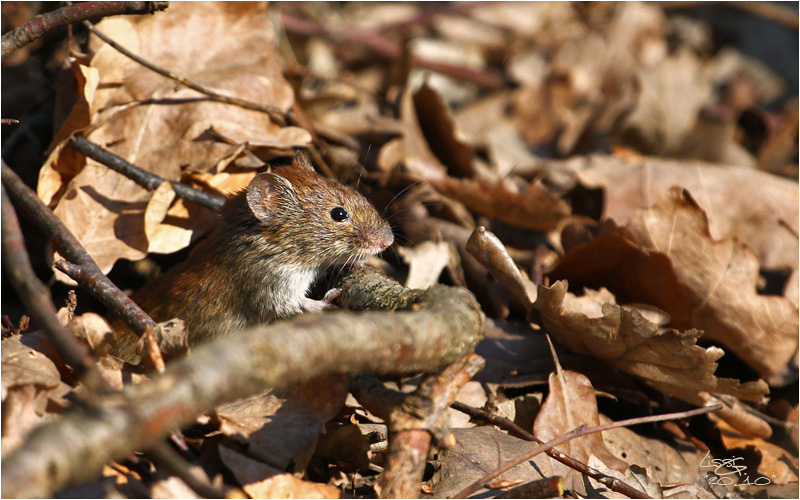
(339,214)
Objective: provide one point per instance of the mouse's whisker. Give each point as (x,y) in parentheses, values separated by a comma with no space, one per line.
(400,193)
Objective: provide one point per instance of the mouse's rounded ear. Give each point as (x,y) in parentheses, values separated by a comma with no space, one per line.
(265,193)
(301,160)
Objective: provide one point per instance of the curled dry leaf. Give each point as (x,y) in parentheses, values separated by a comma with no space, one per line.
(668,360)
(437,125)
(490,252)
(159,125)
(670,245)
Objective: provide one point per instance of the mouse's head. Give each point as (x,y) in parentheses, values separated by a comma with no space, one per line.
(315,221)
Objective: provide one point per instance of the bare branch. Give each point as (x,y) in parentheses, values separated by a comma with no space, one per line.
(446,325)
(96,282)
(45,23)
(142,177)
(35,296)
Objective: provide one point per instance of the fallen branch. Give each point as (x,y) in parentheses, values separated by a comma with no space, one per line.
(390,50)
(45,23)
(142,177)
(35,296)
(611,482)
(421,417)
(67,245)
(445,325)
(578,432)
(275,114)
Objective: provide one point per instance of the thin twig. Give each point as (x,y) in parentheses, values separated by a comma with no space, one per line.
(8,121)
(65,242)
(163,455)
(142,177)
(611,482)
(578,432)
(390,50)
(34,295)
(275,114)
(46,23)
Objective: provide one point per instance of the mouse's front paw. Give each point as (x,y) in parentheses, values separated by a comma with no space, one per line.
(315,306)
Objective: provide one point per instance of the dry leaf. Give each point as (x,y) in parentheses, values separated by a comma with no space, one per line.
(773,464)
(30,381)
(94,330)
(676,88)
(479,450)
(757,208)
(282,427)
(426,262)
(440,131)
(53,175)
(259,480)
(717,292)
(570,404)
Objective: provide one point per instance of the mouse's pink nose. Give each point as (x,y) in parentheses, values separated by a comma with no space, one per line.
(386,241)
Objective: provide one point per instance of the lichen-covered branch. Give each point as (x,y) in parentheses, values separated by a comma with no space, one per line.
(445,325)
(45,23)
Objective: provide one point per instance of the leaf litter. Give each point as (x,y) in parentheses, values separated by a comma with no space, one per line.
(657,176)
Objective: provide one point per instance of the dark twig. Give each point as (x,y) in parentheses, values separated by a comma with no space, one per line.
(95,281)
(421,417)
(578,432)
(147,180)
(612,483)
(168,458)
(34,295)
(275,114)
(378,44)
(45,23)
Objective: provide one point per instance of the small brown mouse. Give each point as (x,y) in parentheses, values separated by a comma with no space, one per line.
(268,245)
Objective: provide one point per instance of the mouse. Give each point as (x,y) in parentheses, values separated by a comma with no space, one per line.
(268,244)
